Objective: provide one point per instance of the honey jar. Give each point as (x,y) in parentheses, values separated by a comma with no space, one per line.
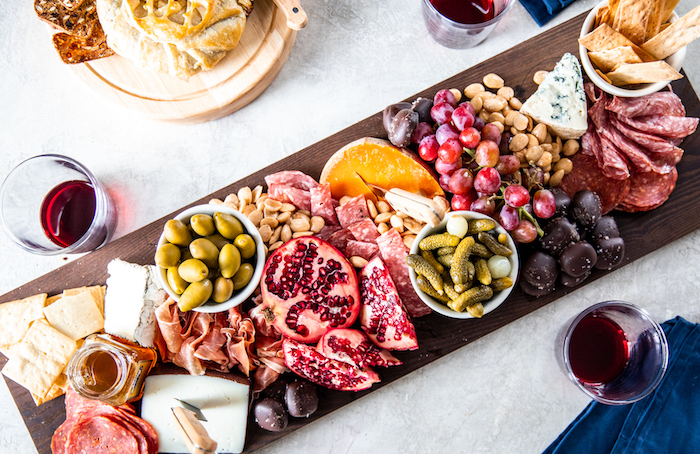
(110,369)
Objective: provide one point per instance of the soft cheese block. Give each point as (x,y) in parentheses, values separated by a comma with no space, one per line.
(130,300)
(560,101)
(224,402)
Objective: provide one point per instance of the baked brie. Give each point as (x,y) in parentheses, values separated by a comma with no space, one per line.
(179,37)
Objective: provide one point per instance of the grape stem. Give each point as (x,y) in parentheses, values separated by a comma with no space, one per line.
(532,219)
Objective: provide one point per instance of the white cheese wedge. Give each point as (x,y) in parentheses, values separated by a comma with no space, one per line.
(131,296)
(223,402)
(560,101)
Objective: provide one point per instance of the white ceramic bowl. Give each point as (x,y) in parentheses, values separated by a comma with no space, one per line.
(497,299)
(674,60)
(238,296)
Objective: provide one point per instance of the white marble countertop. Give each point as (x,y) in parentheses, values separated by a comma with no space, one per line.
(500,394)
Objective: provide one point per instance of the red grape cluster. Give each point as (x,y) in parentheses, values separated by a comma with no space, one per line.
(476,166)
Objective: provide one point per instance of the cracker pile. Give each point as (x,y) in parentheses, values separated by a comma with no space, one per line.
(631,39)
(40,334)
(80,37)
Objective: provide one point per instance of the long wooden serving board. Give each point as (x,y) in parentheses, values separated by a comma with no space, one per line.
(437,335)
(245,72)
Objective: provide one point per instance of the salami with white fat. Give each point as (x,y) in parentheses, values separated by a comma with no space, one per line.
(321,203)
(648,190)
(670,127)
(292,178)
(362,249)
(660,103)
(365,230)
(355,210)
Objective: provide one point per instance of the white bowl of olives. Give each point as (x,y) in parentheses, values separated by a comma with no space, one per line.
(467,291)
(209,258)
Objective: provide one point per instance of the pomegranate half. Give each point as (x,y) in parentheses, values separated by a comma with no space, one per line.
(309,287)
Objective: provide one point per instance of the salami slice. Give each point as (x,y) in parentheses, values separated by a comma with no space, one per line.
(365,230)
(651,142)
(100,435)
(610,158)
(292,178)
(394,252)
(300,198)
(660,103)
(587,175)
(663,125)
(339,239)
(362,249)
(322,203)
(648,190)
(353,211)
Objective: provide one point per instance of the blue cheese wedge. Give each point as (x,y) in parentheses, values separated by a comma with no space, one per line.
(130,300)
(560,102)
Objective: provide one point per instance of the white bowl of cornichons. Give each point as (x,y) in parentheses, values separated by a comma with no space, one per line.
(209,258)
(465,267)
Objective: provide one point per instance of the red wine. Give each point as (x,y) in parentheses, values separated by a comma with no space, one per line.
(67,212)
(598,350)
(465,11)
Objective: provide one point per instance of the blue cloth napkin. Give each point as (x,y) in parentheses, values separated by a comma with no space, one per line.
(544,10)
(667,421)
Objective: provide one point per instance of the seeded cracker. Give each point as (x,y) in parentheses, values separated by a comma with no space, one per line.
(76,49)
(79,22)
(675,36)
(38,361)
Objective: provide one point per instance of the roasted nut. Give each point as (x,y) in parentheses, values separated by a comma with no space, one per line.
(275,245)
(286,206)
(383,217)
(272,222)
(300,234)
(284,216)
(408,240)
(570,147)
(533,154)
(300,225)
(276,234)
(472,90)
(540,131)
(344,199)
(564,164)
(493,81)
(255,216)
(256,193)
(532,141)
(506,93)
(245,194)
(358,262)
(457,94)
(372,208)
(477,104)
(383,227)
(495,104)
(317,223)
(520,121)
(397,223)
(495,117)
(273,205)
(286,233)
(556,177)
(265,233)
(515,103)
(539,76)
(545,160)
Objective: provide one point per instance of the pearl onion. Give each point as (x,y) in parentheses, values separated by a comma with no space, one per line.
(499,266)
(457,226)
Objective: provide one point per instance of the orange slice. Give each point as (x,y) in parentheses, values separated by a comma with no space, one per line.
(379,163)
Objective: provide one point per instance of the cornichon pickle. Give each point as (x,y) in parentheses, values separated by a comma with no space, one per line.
(421,266)
(206,251)
(438,240)
(472,296)
(494,246)
(246,245)
(427,288)
(202,224)
(196,294)
(482,272)
(175,282)
(476,310)
(228,226)
(430,258)
(480,225)
(176,232)
(229,260)
(193,270)
(223,289)
(168,255)
(501,284)
(458,270)
(450,291)
(445,260)
(446,250)
(242,276)
(480,250)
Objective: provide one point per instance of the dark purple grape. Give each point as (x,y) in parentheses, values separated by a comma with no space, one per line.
(508,217)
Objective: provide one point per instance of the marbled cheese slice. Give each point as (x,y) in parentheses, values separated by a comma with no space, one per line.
(560,101)
(223,402)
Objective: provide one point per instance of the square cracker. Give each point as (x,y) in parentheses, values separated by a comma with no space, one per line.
(605,37)
(632,17)
(59,387)
(75,316)
(675,36)
(16,316)
(97,292)
(607,59)
(640,73)
(38,361)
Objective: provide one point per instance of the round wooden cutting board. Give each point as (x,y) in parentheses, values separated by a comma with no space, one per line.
(234,82)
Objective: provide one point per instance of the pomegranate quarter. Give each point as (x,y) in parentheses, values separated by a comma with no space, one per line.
(309,287)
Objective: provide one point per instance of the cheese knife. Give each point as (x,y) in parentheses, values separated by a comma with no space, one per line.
(296,17)
(415,205)
(194,435)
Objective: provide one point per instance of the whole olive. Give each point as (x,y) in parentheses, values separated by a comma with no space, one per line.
(245,244)
(229,260)
(176,283)
(185,254)
(206,251)
(243,276)
(228,226)
(196,294)
(193,270)
(218,240)
(167,255)
(391,111)
(223,289)
(176,232)
(202,224)
(402,126)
